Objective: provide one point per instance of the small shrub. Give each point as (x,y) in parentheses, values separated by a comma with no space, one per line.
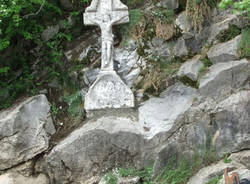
(199,11)
(175,174)
(214,180)
(229,34)
(164,15)
(226,159)
(110,178)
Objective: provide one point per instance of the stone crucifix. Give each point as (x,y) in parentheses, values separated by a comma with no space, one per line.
(108,91)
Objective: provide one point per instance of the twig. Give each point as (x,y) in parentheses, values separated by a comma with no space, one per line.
(33,14)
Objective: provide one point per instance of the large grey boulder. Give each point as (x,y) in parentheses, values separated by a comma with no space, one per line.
(229,117)
(25,131)
(117,138)
(100,145)
(242,157)
(191,68)
(129,63)
(15,178)
(185,25)
(158,47)
(206,173)
(224,52)
(224,24)
(160,114)
(225,78)
(180,48)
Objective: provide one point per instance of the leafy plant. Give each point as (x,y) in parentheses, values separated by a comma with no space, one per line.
(244,45)
(226,158)
(214,180)
(164,15)
(54,110)
(199,11)
(176,174)
(110,178)
(239,5)
(229,34)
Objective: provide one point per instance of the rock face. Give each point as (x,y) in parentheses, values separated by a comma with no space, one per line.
(215,170)
(191,68)
(25,131)
(99,145)
(118,140)
(224,52)
(158,114)
(225,78)
(15,178)
(129,63)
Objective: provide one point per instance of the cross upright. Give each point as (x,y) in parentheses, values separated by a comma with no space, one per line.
(105,14)
(109,90)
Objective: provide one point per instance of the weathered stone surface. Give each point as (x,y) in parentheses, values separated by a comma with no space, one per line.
(50,32)
(180,48)
(242,157)
(158,114)
(169,4)
(80,48)
(222,25)
(25,131)
(158,47)
(129,63)
(224,52)
(225,78)
(191,68)
(15,178)
(185,25)
(206,173)
(101,144)
(109,91)
(230,116)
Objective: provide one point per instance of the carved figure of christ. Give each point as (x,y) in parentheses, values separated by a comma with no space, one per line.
(105,22)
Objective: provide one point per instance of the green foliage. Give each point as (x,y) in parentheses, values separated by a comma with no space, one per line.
(238,5)
(133,3)
(75,105)
(145,174)
(135,15)
(21,25)
(164,15)
(226,158)
(176,174)
(110,178)
(214,180)
(229,34)
(244,45)
(54,110)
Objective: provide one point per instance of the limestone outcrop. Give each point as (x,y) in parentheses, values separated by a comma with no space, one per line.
(25,131)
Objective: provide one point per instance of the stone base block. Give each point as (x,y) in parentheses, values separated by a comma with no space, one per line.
(109,91)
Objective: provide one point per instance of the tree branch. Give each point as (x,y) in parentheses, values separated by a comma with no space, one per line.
(33,14)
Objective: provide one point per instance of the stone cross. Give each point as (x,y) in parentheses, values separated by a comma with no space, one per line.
(108,91)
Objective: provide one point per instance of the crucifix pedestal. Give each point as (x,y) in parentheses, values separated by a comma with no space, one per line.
(108,91)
